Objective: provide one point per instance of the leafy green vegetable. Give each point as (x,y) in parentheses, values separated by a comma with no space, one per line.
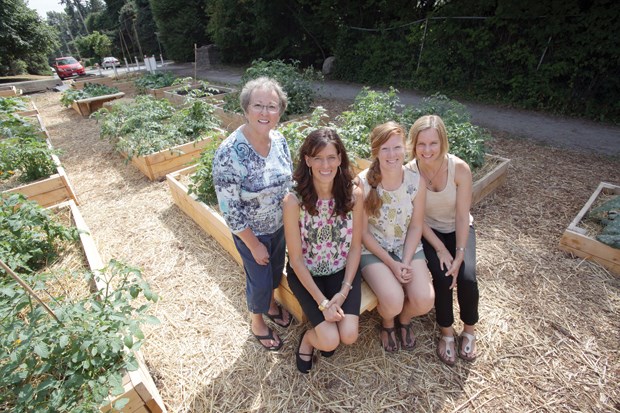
(90,90)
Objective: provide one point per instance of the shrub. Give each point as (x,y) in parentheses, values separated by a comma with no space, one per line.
(296,83)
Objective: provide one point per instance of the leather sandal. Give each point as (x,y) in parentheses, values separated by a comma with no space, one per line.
(449,358)
(303,366)
(392,345)
(465,350)
(408,340)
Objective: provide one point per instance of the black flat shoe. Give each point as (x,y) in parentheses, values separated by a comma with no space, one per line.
(303,366)
(327,354)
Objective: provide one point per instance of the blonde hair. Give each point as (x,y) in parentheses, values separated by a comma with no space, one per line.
(423,123)
(378,137)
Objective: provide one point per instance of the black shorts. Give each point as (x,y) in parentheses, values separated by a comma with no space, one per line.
(329,285)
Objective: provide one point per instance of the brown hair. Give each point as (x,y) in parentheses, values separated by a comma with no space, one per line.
(423,123)
(343,181)
(378,137)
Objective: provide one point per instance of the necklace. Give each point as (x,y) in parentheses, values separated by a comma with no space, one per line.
(430,180)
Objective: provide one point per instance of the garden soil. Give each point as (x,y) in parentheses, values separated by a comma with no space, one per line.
(548,333)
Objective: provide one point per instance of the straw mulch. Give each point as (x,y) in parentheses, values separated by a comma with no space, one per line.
(548,338)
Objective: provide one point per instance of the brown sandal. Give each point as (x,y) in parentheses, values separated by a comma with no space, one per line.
(407,340)
(392,346)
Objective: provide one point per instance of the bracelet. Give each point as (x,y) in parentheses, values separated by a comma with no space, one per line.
(343,296)
(460,249)
(323,305)
(347,284)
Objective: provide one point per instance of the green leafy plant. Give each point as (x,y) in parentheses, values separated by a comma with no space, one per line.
(12,104)
(149,125)
(296,131)
(29,235)
(75,363)
(295,82)
(202,180)
(23,152)
(369,109)
(90,90)
(195,90)
(156,80)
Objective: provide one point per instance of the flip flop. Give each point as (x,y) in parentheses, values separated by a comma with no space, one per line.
(280,316)
(445,358)
(269,336)
(467,355)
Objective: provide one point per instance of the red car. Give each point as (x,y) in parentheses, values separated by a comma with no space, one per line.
(67,66)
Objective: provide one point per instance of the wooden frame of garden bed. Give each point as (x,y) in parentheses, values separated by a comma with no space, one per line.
(576,241)
(157,165)
(139,386)
(213,223)
(10,92)
(33,111)
(87,106)
(49,191)
(177,99)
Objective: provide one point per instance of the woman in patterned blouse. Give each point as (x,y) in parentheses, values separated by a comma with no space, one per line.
(252,173)
(323,228)
(392,261)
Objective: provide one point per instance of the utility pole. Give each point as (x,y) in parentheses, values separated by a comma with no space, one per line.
(135,32)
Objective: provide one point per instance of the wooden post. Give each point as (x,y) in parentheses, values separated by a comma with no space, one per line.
(422,44)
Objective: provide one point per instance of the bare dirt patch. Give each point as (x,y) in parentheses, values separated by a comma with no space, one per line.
(547,339)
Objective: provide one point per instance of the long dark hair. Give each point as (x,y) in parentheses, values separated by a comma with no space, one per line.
(343,181)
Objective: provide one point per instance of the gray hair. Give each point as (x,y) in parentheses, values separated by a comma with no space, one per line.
(262,82)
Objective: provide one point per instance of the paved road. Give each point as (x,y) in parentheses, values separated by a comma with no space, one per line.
(553,130)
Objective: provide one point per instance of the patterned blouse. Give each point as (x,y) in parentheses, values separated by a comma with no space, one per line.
(249,187)
(325,238)
(390,227)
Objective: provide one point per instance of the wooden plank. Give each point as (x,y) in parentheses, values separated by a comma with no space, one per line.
(576,241)
(229,120)
(89,105)
(491,181)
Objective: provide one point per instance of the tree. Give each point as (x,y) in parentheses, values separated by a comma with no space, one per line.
(25,40)
(94,45)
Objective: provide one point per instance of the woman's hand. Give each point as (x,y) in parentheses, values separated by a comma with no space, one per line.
(402,272)
(333,313)
(445,259)
(454,268)
(260,253)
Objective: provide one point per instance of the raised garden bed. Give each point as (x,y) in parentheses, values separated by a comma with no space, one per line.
(179,95)
(213,223)
(125,86)
(48,191)
(157,165)
(87,106)
(577,241)
(489,182)
(139,386)
(10,91)
(159,93)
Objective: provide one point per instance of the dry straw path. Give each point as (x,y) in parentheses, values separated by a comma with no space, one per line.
(549,329)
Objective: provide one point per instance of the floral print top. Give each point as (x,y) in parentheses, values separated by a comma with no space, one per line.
(325,238)
(390,227)
(249,187)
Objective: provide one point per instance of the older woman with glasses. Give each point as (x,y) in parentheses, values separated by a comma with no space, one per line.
(252,172)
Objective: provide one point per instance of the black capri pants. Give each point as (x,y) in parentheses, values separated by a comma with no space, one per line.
(329,285)
(466,283)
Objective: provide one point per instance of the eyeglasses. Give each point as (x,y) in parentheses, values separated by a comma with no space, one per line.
(258,108)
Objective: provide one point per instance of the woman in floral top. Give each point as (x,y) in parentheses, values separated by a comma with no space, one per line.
(392,261)
(323,229)
(252,173)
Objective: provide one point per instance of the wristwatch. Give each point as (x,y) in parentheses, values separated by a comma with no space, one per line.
(323,305)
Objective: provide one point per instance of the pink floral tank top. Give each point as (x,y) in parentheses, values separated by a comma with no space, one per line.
(325,238)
